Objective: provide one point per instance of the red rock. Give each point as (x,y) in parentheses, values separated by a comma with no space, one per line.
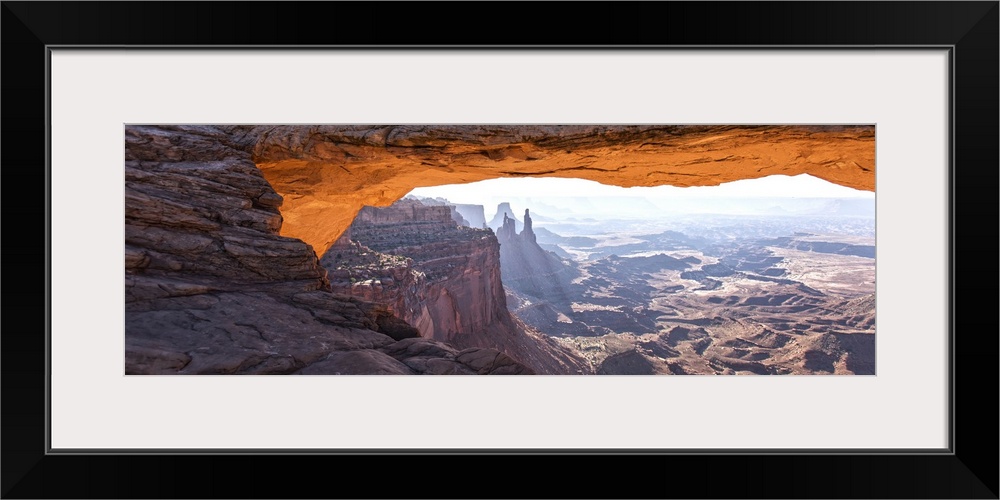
(440,277)
(211,287)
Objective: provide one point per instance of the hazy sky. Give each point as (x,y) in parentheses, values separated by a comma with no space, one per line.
(775,186)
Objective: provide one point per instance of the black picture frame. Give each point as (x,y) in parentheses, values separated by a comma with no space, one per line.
(968,29)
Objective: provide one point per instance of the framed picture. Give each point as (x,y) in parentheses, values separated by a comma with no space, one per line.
(921,76)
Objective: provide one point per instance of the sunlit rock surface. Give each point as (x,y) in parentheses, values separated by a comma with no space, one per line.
(327,173)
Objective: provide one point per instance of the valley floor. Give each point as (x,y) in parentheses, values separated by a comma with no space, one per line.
(751,309)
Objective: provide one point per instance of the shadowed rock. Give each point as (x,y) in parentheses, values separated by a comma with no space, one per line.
(626,363)
(440,277)
(366,362)
(430,357)
(210,285)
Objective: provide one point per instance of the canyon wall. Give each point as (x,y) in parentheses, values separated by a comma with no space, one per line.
(442,278)
(449,282)
(212,287)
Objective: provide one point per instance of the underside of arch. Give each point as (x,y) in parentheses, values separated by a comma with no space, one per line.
(327,173)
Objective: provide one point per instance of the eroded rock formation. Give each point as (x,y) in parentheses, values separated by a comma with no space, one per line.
(442,278)
(529,270)
(504,212)
(212,288)
(223,225)
(326,173)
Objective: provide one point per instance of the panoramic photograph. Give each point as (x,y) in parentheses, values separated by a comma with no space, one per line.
(499,249)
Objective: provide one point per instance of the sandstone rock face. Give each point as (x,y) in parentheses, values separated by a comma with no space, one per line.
(328,172)
(417,357)
(243,332)
(430,357)
(450,282)
(223,225)
(213,288)
(440,277)
(457,212)
(214,217)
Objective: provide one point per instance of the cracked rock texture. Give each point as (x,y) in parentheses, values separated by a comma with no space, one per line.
(212,288)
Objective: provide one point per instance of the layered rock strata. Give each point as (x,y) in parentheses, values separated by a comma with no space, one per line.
(443,278)
(211,287)
(328,172)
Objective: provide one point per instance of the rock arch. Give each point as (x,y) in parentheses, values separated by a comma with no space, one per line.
(326,173)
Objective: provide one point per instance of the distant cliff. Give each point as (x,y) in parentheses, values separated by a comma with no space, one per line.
(472,213)
(442,278)
(457,214)
(527,268)
(504,212)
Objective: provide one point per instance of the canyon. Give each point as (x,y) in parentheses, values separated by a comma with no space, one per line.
(729,299)
(225,227)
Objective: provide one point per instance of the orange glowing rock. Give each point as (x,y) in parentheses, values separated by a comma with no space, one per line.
(327,173)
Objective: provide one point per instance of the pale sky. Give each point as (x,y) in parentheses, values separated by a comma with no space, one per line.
(775,186)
